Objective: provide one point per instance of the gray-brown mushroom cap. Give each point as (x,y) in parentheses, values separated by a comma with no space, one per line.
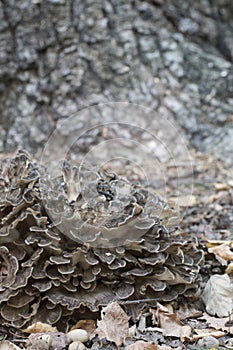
(69,245)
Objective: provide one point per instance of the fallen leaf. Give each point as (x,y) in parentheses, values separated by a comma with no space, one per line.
(218,323)
(171,324)
(215,334)
(185,332)
(169,307)
(7,345)
(143,321)
(87,325)
(132,331)
(114,325)
(142,345)
(229,269)
(204,331)
(230,183)
(186,311)
(184,201)
(218,295)
(213,198)
(211,243)
(223,251)
(40,327)
(221,186)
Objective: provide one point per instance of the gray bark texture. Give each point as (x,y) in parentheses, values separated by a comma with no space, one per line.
(58,56)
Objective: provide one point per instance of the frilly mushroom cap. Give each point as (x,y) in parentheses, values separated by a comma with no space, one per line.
(74,242)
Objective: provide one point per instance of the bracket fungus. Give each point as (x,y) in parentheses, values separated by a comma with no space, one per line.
(74,242)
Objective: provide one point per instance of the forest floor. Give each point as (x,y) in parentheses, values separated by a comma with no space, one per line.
(206,208)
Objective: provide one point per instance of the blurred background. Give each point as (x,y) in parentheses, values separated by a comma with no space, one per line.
(174,57)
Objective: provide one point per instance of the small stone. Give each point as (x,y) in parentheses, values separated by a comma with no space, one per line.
(208,342)
(39,344)
(47,339)
(77,345)
(77,335)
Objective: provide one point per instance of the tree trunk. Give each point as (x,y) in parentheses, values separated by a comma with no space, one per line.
(57,56)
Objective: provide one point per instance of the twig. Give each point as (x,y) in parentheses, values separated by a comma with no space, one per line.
(136,301)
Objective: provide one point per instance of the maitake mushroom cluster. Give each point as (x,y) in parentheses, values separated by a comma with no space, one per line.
(78,240)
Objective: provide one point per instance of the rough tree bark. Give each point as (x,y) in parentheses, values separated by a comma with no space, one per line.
(57,56)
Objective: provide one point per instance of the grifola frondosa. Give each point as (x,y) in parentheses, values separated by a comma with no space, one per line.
(77,241)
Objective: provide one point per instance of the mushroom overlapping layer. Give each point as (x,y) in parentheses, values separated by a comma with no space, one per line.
(74,242)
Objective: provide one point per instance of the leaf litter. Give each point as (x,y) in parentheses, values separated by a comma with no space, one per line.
(218,295)
(170,323)
(208,215)
(114,324)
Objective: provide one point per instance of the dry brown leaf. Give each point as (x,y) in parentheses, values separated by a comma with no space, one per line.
(218,323)
(40,327)
(186,311)
(229,269)
(171,324)
(201,331)
(142,345)
(213,198)
(87,325)
(221,186)
(223,251)
(142,323)
(230,183)
(185,332)
(217,295)
(184,201)
(169,306)
(211,243)
(7,345)
(215,334)
(132,331)
(114,325)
